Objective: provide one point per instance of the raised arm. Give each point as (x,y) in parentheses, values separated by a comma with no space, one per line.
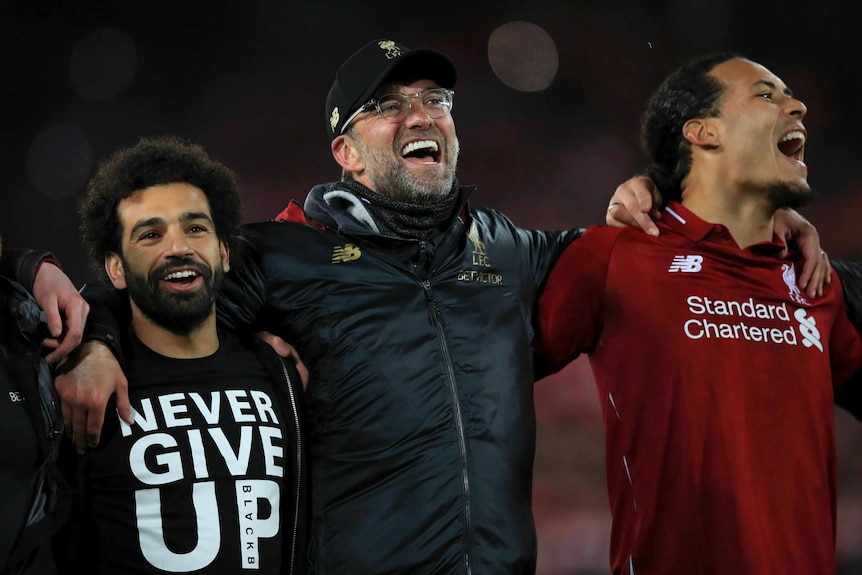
(634,204)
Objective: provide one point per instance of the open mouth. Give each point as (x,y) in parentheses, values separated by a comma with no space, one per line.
(181,277)
(427,151)
(792,144)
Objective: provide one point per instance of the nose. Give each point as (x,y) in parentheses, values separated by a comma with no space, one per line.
(417,116)
(797,108)
(177,242)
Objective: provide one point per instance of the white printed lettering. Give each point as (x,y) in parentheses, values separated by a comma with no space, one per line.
(151,532)
(262,520)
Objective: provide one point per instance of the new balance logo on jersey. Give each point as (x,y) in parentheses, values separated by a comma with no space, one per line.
(686,264)
(345,253)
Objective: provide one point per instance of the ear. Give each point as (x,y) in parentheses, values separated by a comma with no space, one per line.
(701,132)
(114,269)
(345,153)
(224,252)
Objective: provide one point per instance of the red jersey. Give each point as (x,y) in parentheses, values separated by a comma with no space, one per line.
(716,375)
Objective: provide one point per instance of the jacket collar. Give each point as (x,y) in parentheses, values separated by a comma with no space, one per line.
(331,205)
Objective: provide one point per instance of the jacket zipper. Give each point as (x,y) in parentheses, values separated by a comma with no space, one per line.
(436,321)
(299,448)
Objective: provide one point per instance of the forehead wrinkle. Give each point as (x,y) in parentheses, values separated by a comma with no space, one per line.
(189,216)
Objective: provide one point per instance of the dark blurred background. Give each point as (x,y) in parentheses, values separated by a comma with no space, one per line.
(547,108)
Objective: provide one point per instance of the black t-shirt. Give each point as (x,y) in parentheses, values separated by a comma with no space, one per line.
(194,485)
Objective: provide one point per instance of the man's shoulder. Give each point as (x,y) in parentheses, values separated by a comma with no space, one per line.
(279,229)
(611,235)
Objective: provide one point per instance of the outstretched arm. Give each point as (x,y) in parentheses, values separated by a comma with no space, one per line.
(633,204)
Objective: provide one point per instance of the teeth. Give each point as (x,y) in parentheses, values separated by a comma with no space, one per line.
(181,275)
(413,146)
(796,135)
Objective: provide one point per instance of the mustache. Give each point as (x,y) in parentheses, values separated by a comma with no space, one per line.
(431,133)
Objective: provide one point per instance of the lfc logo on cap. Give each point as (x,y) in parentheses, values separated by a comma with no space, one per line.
(392,49)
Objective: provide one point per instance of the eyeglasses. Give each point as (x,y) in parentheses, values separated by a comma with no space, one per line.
(437,102)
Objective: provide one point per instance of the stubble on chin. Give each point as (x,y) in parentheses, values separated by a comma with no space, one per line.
(789,195)
(389,176)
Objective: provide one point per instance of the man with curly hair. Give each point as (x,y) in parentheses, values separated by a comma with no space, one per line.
(210,477)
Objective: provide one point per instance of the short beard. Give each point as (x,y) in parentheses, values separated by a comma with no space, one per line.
(784,195)
(179,313)
(389,177)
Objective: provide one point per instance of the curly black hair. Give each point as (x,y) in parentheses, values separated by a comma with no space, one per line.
(154,162)
(688,92)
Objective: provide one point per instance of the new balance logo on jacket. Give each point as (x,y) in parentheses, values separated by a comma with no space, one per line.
(345,253)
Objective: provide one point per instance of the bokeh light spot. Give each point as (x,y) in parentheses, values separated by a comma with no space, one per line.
(523,56)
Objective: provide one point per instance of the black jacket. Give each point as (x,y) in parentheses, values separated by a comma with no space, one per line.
(420,400)
(31,489)
(849,396)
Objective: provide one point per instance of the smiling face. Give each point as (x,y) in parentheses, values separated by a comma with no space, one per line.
(414,159)
(761,133)
(172,260)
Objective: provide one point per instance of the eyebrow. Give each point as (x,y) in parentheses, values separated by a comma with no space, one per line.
(771,85)
(155,221)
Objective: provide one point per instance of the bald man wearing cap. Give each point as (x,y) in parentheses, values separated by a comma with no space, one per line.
(414,311)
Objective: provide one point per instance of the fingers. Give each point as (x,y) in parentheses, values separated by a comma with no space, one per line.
(62,347)
(816,269)
(74,416)
(303,373)
(65,310)
(816,273)
(280,346)
(78,430)
(53,317)
(75,312)
(85,383)
(618,215)
(806,275)
(286,351)
(633,204)
(124,408)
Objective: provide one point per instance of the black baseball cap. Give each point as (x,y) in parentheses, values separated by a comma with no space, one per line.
(378,61)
